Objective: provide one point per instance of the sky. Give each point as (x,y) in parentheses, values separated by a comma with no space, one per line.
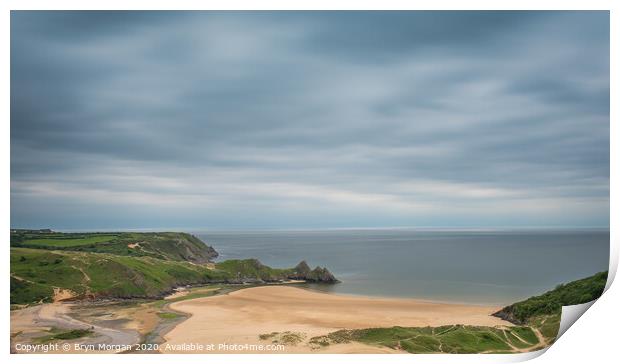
(241,120)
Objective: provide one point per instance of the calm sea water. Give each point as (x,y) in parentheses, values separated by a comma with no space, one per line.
(490,267)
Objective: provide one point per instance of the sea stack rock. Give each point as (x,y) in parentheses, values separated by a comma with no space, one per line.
(319,274)
(302,269)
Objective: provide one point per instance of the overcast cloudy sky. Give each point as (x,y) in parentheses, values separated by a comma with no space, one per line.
(307,120)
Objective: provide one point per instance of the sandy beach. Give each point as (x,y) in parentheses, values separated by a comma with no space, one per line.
(241,316)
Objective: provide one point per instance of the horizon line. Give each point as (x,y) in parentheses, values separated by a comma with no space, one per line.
(249,229)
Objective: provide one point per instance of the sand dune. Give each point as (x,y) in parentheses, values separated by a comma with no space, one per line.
(241,316)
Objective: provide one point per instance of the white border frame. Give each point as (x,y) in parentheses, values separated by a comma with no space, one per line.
(577,344)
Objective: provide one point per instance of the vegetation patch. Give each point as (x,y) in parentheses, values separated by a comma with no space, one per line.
(252,268)
(57,334)
(551,302)
(548,325)
(444,339)
(285,338)
(168,315)
(34,278)
(267,336)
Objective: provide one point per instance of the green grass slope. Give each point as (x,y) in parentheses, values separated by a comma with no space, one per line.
(455,339)
(251,268)
(37,273)
(551,302)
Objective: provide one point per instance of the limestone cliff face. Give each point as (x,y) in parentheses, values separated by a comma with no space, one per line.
(171,246)
(507,313)
(195,250)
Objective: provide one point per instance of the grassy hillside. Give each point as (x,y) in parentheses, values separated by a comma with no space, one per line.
(35,273)
(455,339)
(166,246)
(551,302)
(252,268)
(38,275)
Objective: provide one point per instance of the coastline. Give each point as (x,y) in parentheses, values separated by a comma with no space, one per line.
(295,319)
(261,315)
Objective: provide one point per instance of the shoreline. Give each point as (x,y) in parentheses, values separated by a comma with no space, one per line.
(261,315)
(303,285)
(241,314)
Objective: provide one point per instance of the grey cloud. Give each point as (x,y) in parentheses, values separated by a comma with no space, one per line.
(214,111)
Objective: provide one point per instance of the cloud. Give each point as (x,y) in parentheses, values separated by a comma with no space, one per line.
(309,119)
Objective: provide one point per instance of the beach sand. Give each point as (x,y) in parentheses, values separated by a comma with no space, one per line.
(241,316)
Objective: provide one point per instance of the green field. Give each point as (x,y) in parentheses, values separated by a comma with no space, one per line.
(166,246)
(70,242)
(168,315)
(56,334)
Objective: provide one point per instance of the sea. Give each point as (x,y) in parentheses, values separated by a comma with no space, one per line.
(479,266)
